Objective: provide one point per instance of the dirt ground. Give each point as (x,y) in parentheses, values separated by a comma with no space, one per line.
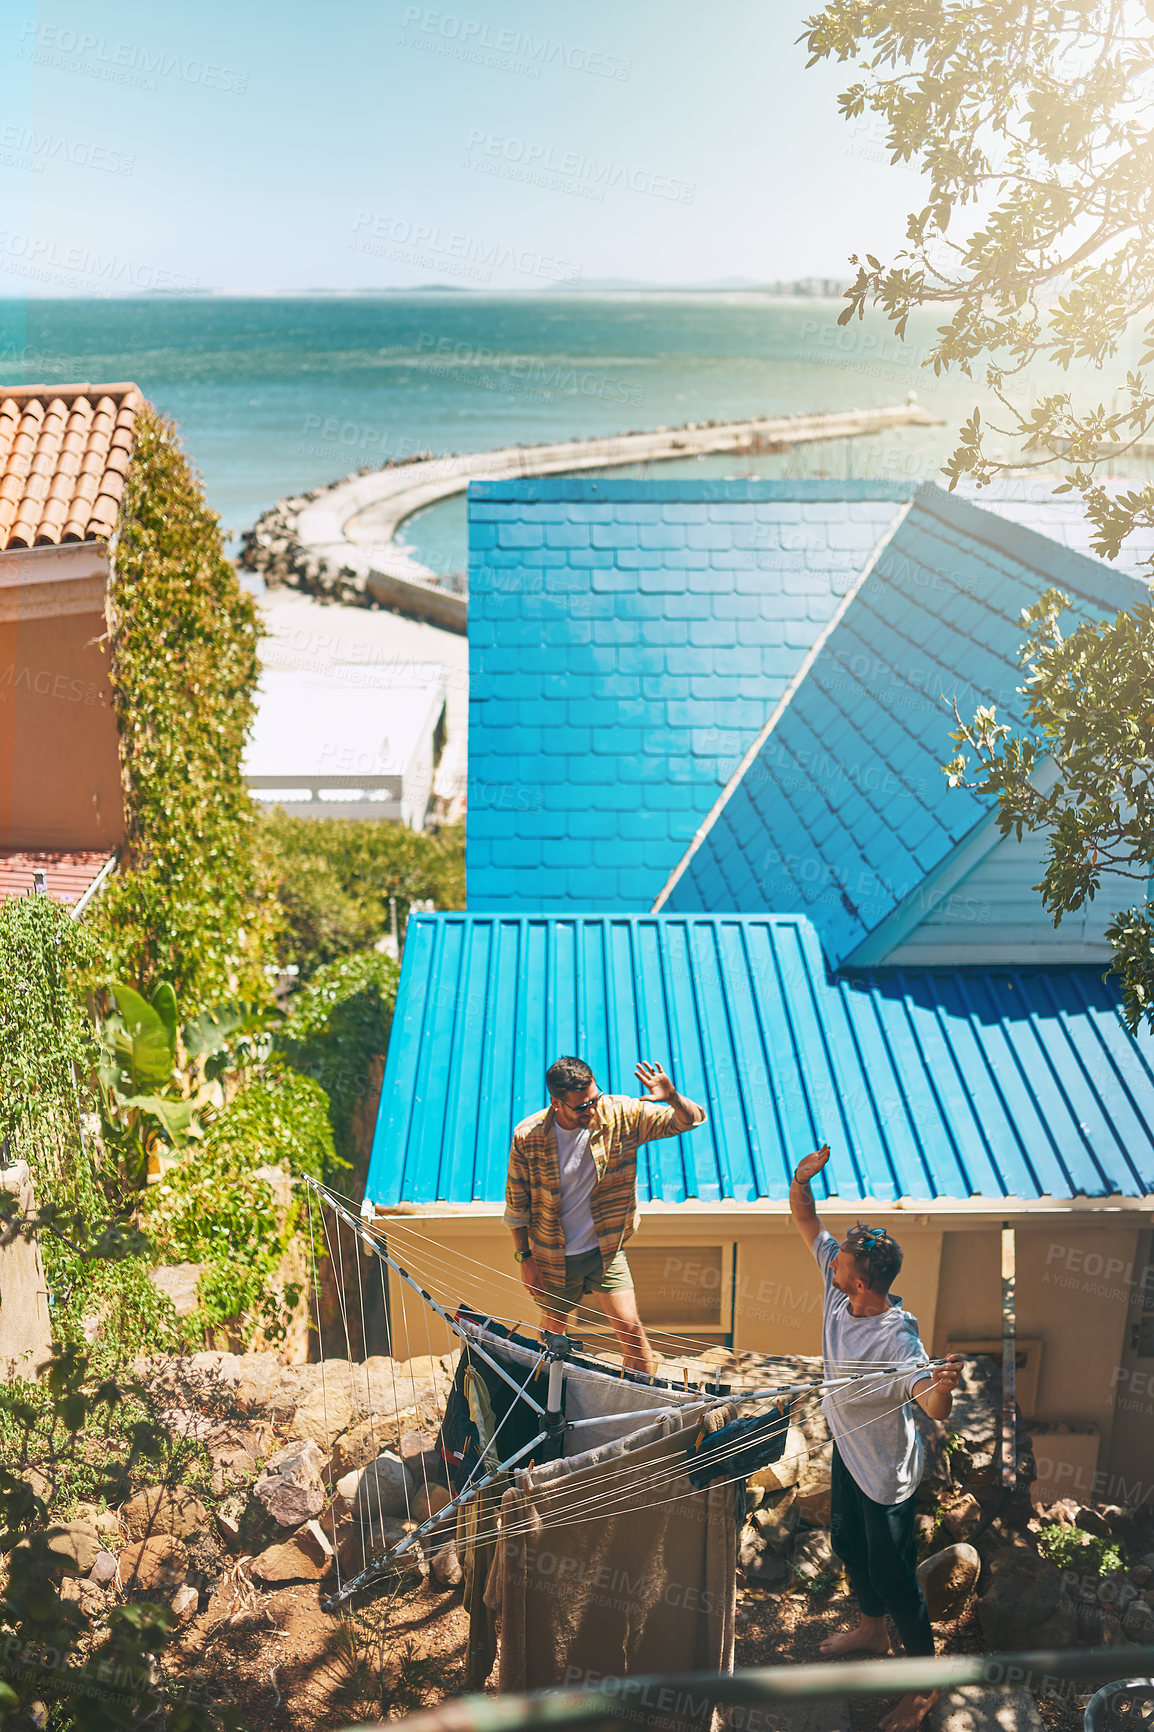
(287,1666)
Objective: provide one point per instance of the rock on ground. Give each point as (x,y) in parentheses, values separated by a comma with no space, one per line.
(446,1566)
(759,1561)
(948,1579)
(160,1562)
(976,1709)
(305,1556)
(813,1493)
(323,1415)
(384,1488)
(78,1541)
(777,1519)
(361,1444)
(1138,1623)
(361,1543)
(164,1509)
(430,1500)
(184,1603)
(778,1475)
(1024,1606)
(290,1487)
(813,1556)
(963,1516)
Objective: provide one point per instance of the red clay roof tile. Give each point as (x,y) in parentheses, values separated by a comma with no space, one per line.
(64,455)
(68,873)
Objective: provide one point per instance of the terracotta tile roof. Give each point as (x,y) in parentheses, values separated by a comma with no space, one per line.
(68,873)
(64,453)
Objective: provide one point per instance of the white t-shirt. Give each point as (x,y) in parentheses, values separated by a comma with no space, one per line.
(578,1177)
(871,1421)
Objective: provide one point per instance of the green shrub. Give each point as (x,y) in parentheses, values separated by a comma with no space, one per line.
(216,1207)
(334,877)
(337,1024)
(1073,1549)
(119,1295)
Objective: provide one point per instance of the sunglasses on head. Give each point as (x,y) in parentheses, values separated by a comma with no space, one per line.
(866,1241)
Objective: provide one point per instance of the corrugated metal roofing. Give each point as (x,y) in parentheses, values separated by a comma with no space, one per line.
(844,811)
(627,640)
(927,1085)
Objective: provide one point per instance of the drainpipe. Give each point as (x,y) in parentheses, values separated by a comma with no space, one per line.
(1009,1358)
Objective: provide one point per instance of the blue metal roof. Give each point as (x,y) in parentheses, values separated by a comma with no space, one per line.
(1005,1083)
(844,812)
(627,640)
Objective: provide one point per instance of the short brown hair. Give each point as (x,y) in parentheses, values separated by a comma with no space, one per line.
(565,1074)
(878,1257)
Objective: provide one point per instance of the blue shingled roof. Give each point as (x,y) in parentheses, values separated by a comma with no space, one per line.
(843,811)
(627,640)
(934,1084)
(1062,518)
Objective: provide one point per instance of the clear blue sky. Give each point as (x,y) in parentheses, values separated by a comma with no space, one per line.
(257,146)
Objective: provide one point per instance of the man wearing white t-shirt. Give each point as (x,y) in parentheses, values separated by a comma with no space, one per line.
(571,1195)
(877,1452)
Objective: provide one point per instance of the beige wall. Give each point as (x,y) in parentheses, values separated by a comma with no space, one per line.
(770,1286)
(1073,1294)
(59,753)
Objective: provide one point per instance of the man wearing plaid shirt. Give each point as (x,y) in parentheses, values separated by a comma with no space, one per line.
(571,1195)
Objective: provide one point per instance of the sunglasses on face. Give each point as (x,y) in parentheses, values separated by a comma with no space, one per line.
(586,1106)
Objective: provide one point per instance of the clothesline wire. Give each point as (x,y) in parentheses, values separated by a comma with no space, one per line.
(448,1260)
(600,1498)
(448,1264)
(450,1298)
(445,1263)
(566,1509)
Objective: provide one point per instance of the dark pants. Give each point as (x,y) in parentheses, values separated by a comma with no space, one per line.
(877,1543)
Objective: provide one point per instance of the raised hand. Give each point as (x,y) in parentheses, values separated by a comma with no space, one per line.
(655,1081)
(812,1165)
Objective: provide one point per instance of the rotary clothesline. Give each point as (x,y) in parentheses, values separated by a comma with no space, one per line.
(557,1351)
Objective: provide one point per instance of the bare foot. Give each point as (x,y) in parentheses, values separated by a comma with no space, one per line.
(866,1639)
(909,1713)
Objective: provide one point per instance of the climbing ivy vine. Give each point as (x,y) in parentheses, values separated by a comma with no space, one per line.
(189,903)
(46,1042)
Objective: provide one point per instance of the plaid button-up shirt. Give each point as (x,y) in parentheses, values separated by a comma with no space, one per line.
(618,1127)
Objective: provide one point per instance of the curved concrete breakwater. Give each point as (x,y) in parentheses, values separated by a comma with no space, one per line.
(339,543)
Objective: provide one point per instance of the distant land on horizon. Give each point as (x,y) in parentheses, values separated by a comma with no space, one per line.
(812,288)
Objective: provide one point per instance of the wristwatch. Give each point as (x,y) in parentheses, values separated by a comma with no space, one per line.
(521,1256)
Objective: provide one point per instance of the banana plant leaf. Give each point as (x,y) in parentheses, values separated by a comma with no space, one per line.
(139,1047)
(173,1117)
(164,1004)
(214,1029)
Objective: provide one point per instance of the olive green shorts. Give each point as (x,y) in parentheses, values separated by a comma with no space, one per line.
(589,1274)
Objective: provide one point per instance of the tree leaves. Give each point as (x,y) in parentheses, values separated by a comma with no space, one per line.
(1083,774)
(1033,115)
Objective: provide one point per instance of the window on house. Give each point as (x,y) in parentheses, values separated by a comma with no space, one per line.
(682,1285)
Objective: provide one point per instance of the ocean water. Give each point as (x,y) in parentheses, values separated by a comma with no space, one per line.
(275,396)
